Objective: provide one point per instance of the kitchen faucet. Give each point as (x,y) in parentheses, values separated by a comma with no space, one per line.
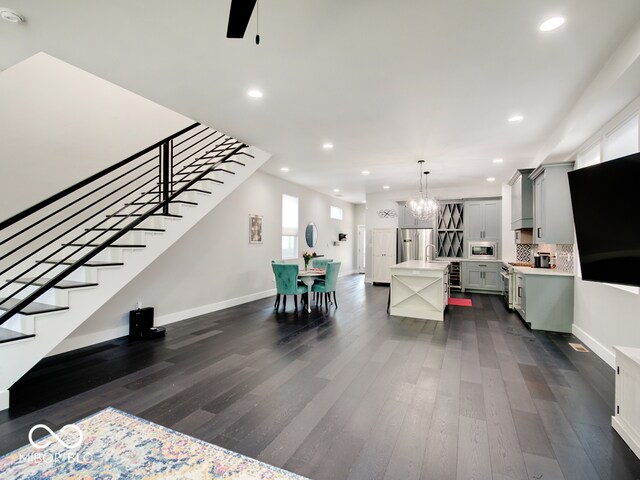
(426,250)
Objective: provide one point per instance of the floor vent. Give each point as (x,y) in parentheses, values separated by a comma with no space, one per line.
(578,347)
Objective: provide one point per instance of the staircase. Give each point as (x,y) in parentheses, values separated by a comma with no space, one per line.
(65,257)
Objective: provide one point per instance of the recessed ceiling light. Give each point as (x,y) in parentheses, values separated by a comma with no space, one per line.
(386,187)
(498,160)
(11,16)
(336,190)
(254,93)
(327,146)
(551,24)
(491,179)
(364,201)
(366,172)
(284,169)
(516,118)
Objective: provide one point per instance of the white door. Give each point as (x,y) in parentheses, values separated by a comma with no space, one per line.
(384,253)
(362,242)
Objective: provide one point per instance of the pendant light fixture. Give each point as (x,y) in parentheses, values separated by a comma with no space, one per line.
(422,206)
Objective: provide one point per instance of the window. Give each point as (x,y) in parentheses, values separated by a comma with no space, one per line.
(622,141)
(336,213)
(589,157)
(289,227)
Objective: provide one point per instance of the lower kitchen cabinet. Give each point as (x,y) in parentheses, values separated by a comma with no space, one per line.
(481,276)
(545,301)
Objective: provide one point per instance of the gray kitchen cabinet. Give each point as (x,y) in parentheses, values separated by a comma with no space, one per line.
(552,215)
(481,276)
(519,303)
(406,220)
(521,199)
(482,220)
(545,302)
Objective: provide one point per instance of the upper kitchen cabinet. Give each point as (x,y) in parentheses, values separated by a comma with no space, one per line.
(406,220)
(552,216)
(521,199)
(482,220)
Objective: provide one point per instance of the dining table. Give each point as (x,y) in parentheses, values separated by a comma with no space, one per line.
(308,277)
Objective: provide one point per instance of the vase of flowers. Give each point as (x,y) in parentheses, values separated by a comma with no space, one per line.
(306,256)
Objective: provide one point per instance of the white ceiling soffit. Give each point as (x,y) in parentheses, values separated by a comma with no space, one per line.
(386,82)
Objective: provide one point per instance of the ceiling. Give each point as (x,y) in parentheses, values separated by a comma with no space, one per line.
(386,82)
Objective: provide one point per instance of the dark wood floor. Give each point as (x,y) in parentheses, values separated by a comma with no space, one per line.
(354,393)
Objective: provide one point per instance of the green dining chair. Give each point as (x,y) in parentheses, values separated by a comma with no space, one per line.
(320,262)
(329,285)
(287,283)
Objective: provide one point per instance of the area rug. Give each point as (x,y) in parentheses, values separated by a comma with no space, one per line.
(116,445)
(461,302)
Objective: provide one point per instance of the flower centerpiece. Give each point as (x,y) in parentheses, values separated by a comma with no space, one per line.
(306,256)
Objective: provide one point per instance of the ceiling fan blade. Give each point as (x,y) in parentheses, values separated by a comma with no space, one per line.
(239,16)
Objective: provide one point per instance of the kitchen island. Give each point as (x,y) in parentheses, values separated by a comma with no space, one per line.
(419,289)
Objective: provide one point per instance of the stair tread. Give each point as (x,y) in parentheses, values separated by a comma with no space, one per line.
(115,229)
(64,284)
(7,335)
(90,263)
(113,245)
(124,215)
(187,190)
(32,309)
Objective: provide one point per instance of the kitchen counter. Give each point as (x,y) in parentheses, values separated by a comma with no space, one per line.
(438,265)
(444,259)
(542,271)
(419,289)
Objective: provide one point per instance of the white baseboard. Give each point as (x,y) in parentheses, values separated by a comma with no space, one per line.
(212,307)
(4,400)
(596,347)
(93,338)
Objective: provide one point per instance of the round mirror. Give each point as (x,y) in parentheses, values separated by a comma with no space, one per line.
(311,235)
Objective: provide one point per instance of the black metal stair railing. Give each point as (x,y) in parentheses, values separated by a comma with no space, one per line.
(72,227)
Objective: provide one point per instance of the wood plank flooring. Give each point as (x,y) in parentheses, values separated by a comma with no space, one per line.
(352,393)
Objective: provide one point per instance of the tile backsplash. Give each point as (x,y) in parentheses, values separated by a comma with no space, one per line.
(562,252)
(524,252)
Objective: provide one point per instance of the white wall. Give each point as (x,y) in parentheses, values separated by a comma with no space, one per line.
(61,124)
(213,266)
(605,315)
(507,246)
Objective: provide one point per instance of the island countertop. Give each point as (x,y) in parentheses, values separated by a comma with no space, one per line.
(421,265)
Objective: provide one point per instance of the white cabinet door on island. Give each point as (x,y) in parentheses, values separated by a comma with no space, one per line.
(419,289)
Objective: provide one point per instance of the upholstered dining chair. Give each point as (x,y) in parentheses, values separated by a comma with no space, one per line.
(329,285)
(287,284)
(320,262)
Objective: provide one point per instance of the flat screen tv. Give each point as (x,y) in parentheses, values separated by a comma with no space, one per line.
(606,210)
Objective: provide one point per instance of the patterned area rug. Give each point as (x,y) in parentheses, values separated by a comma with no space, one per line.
(460,302)
(118,445)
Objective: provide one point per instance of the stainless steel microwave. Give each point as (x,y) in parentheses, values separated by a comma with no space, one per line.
(483,251)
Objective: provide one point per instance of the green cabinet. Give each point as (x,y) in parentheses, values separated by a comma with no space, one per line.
(521,199)
(481,276)
(552,215)
(482,220)
(545,302)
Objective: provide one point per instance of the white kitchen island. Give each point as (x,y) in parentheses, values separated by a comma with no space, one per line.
(419,289)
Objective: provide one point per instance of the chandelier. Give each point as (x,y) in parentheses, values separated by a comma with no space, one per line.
(421,206)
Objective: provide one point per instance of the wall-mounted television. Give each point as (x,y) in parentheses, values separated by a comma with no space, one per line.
(606,210)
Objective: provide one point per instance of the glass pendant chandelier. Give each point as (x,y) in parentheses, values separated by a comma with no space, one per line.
(422,206)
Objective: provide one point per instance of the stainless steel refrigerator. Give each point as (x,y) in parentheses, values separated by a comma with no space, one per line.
(413,244)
